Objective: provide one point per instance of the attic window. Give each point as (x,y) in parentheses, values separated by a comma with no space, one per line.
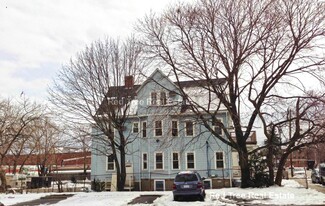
(172,94)
(158,98)
(153,98)
(216,127)
(163,98)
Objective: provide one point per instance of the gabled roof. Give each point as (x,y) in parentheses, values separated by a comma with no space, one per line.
(121,92)
(151,77)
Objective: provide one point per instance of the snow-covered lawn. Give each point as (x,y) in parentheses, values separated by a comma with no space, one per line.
(290,194)
(10,199)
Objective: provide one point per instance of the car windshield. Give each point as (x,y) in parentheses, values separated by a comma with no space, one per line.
(186,178)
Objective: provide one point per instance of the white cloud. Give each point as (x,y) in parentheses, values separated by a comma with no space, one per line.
(38,36)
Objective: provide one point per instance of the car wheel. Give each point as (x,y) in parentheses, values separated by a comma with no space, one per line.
(312,181)
(175,198)
(201,197)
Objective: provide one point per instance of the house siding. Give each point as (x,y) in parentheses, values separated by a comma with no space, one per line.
(203,144)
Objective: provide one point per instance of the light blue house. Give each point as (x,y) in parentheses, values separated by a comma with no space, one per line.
(166,138)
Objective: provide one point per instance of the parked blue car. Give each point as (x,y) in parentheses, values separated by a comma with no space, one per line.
(188,184)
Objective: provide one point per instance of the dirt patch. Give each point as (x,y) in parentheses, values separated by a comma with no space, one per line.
(144,199)
(47,200)
(244,199)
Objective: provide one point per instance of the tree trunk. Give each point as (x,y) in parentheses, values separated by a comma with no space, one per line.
(270,165)
(244,167)
(279,174)
(121,182)
(14,168)
(3,186)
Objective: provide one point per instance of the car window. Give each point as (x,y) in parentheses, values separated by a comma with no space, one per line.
(186,178)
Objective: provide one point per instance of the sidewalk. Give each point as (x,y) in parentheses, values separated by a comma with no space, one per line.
(317,187)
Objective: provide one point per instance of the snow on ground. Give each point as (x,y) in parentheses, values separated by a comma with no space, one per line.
(10,199)
(100,199)
(291,193)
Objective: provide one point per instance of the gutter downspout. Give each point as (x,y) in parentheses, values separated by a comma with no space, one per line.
(140,153)
(207,157)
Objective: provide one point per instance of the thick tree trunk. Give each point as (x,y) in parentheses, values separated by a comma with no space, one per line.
(121,182)
(270,165)
(14,170)
(279,174)
(3,186)
(244,168)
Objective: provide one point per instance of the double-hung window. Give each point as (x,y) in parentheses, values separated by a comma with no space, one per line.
(174,128)
(144,129)
(110,163)
(159,161)
(189,128)
(175,163)
(163,98)
(144,161)
(153,98)
(158,128)
(219,160)
(135,128)
(216,127)
(190,160)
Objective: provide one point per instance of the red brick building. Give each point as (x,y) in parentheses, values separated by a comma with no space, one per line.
(52,162)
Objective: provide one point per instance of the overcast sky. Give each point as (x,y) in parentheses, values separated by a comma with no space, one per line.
(38,36)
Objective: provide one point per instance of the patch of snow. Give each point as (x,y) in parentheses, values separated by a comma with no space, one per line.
(10,199)
(291,193)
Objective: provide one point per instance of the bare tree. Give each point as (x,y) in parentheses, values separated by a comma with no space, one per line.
(291,130)
(259,49)
(80,140)
(48,141)
(91,88)
(15,119)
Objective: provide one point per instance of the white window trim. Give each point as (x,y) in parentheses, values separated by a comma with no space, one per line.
(163,166)
(215,159)
(174,120)
(134,127)
(194,160)
(142,129)
(186,128)
(179,161)
(107,163)
(162,128)
(143,161)
(155,189)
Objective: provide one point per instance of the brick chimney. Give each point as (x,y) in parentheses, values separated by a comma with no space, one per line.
(128,81)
